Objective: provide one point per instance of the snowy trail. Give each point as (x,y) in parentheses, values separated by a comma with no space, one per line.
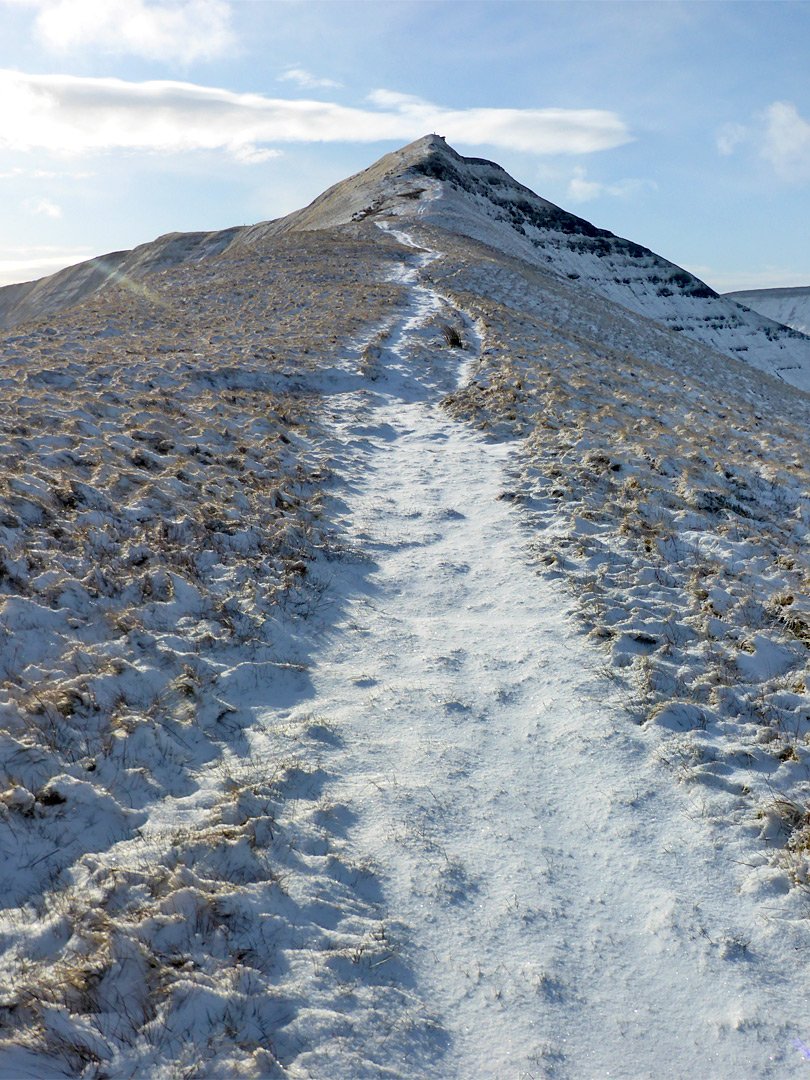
(562,911)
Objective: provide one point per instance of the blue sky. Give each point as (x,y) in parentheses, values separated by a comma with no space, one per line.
(684,126)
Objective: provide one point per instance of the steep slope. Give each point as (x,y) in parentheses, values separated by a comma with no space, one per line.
(788,306)
(429,182)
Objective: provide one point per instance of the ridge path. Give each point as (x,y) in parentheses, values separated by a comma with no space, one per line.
(563,909)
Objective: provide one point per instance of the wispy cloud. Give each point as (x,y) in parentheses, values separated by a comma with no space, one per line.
(581,190)
(17,172)
(72,115)
(185,30)
(43,206)
(540,131)
(780,135)
(730,136)
(306,79)
(786,143)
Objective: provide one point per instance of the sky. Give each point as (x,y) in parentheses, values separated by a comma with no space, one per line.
(682,126)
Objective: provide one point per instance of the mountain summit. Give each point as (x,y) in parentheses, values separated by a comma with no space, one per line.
(429,183)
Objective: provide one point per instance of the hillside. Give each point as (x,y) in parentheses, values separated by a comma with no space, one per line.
(788,306)
(35,299)
(405,666)
(428,182)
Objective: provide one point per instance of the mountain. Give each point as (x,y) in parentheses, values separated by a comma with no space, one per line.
(788,306)
(404,656)
(430,183)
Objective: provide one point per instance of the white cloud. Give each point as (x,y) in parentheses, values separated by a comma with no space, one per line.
(729,137)
(44,174)
(539,131)
(255,155)
(580,189)
(781,136)
(184,30)
(393,99)
(786,143)
(43,206)
(66,114)
(50,174)
(306,78)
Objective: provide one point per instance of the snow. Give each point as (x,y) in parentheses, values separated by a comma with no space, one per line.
(427,181)
(570,916)
(379,707)
(788,306)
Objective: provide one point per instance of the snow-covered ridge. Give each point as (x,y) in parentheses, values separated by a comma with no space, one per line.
(33,299)
(788,306)
(306,767)
(481,200)
(429,182)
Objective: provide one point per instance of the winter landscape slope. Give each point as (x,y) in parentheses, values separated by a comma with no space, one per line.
(405,664)
(33,299)
(788,306)
(429,181)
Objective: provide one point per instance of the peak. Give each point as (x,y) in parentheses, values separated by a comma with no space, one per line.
(400,185)
(433,147)
(429,142)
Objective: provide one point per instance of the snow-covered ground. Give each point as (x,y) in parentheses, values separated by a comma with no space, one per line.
(563,912)
(429,182)
(160,511)
(405,675)
(788,306)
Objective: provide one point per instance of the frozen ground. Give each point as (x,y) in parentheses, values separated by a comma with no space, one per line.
(452,723)
(561,912)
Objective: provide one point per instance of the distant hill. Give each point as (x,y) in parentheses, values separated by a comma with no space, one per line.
(788,306)
(48,295)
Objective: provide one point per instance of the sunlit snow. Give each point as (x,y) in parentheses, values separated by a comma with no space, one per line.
(405,654)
